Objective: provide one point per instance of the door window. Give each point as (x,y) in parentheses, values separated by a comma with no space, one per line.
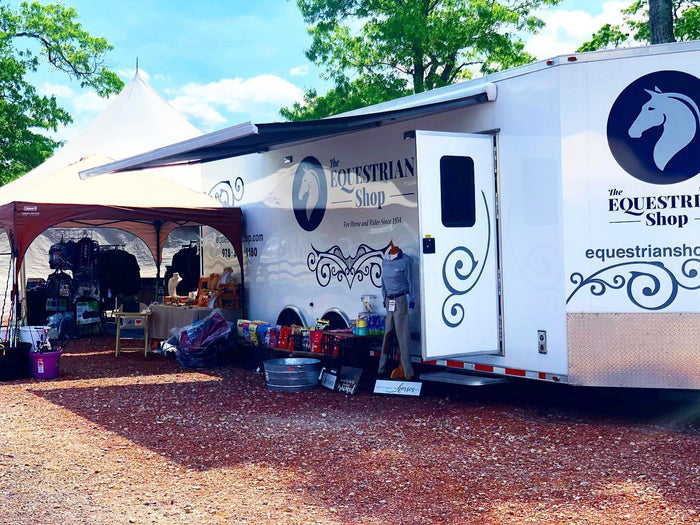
(457,199)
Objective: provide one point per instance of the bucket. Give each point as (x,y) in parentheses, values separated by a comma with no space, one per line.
(45,365)
(7,334)
(31,334)
(14,361)
(292,374)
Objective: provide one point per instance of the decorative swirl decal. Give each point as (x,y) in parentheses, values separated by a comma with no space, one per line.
(457,269)
(227,194)
(331,264)
(649,285)
(238,189)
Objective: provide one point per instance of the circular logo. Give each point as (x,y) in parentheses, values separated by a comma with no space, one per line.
(309,194)
(654,127)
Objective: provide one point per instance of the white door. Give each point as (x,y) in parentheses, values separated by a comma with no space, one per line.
(459,259)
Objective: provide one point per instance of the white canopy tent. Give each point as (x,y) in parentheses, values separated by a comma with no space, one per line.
(138,119)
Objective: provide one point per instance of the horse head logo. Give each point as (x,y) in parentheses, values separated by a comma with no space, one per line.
(309,193)
(309,190)
(679,116)
(654,127)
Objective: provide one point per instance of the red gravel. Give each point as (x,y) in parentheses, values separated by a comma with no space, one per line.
(140,440)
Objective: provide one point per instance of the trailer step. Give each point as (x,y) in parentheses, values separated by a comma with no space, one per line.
(462,379)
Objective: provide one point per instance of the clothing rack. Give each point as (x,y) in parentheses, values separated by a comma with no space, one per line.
(75,234)
(107,247)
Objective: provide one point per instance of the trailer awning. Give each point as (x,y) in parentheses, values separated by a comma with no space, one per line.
(257,138)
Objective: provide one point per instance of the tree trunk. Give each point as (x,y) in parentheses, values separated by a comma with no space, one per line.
(661,21)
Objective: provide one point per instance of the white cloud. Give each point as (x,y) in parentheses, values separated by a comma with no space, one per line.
(65,133)
(200,111)
(258,96)
(57,90)
(299,71)
(239,94)
(565,31)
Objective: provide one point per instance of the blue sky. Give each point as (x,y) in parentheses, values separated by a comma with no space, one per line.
(222,62)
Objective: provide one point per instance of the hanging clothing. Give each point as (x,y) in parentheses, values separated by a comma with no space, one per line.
(87,252)
(186,263)
(59,284)
(119,274)
(62,256)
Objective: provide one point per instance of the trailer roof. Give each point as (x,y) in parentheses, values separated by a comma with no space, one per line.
(248,138)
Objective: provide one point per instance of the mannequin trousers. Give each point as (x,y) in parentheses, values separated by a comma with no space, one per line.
(397,321)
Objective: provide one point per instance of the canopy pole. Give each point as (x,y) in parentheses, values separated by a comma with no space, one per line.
(15,306)
(159,258)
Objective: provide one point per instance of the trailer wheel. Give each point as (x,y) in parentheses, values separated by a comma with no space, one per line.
(290,315)
(337,319)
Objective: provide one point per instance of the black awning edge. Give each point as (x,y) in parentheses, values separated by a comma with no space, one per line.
(248,138)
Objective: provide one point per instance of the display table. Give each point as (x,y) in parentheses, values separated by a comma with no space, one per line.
(353,349)
(165,317)
(340,347)
(130,321)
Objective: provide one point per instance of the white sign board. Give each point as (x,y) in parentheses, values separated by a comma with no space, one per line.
(401,388)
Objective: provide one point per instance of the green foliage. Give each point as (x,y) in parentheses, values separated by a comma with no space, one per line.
(53,36)
(635,30)
(607,36)
(686,26)
(345,96)
(410,46)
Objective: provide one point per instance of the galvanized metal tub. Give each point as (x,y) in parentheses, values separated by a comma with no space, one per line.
(292,374)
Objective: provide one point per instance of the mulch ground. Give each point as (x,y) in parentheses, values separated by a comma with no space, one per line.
(142,440)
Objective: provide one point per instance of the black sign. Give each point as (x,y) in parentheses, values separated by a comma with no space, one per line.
(348,380)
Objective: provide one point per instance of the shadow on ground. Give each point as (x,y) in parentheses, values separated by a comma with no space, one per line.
(387,454)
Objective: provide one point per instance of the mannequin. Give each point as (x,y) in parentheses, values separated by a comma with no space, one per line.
(172,284)
(227,276)
(398,293)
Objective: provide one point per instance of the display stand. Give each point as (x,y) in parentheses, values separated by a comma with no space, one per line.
(337,347)
(59,292)
(88,316)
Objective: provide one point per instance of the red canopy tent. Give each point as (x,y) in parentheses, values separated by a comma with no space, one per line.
(144,204)
(24,221)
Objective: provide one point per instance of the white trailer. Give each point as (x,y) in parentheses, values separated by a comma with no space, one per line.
(552,211)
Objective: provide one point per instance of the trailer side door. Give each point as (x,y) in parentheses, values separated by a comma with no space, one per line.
(459,261)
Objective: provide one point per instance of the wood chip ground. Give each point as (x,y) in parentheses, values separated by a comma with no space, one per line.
(141,440)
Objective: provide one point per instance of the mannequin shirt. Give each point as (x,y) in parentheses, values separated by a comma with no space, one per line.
(397,275)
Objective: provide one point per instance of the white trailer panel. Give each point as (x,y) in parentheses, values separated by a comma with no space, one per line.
(596,210)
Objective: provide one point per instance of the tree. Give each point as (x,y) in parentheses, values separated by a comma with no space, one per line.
(30,36)
(374,50)
(661,21)
(345,96)
(647,21)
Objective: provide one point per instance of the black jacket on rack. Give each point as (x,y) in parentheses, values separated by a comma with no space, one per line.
(119,274)
(87,253)
(186,263)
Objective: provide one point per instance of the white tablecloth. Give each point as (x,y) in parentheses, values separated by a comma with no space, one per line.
(166,317)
